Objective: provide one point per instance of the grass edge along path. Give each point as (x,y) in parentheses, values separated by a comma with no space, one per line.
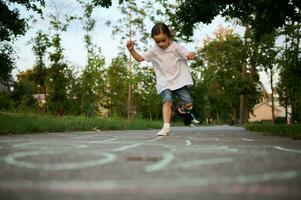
(283,130)
(22,123)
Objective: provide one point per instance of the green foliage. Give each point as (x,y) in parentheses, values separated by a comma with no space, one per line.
(93,84)
(118,82)
(5,101)
(220,85)
(58,82)
(20,123)
(217,74)
(11,26)
(146,100)
(57,88)
(104,3)
(264,16)
(74,92)
(40,46)
(7,63)
(289,87)
(24,89)
(283,130)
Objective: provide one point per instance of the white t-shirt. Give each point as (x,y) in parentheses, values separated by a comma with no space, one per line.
(170,66)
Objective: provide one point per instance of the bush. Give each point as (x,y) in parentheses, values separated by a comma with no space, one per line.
(280,120)
(293,131)
(5,102)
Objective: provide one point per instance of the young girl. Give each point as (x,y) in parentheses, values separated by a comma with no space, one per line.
(169,60)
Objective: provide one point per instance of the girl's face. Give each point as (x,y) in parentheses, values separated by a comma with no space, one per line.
(162,40)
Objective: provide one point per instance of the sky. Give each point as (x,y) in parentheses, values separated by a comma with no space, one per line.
(72,40)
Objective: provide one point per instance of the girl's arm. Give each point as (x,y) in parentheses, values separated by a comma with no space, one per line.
(130,45)
(184,53)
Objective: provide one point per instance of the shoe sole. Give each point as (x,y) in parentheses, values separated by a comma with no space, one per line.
(163,135)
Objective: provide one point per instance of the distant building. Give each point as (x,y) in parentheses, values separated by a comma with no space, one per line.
(41,98)
(263,110)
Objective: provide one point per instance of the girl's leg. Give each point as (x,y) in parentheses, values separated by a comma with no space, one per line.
(166,119)
(166,111)
(186,107)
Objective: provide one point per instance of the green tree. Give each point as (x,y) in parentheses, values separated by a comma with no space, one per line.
(93,84)
(118,84)
(57,80)
(218,76)
(12,25)
(74,91)
(24,89)
(268,62)
(130,27)
(40,45)
(290,73)
(104,3)
(148,103)
(93,77)
(264,16)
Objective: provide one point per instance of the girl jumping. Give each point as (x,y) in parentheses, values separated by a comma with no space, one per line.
(169,61)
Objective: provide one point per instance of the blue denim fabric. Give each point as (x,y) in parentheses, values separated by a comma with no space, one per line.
(182,93)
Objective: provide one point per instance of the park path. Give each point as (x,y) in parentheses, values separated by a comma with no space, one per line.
(214,162)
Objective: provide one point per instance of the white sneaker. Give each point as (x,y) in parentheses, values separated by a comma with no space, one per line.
(192,125)
(164,132)
(195,121)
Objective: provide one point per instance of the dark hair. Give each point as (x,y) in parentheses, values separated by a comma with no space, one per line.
(161,28)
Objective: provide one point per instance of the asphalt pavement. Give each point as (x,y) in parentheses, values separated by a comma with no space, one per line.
(205,162)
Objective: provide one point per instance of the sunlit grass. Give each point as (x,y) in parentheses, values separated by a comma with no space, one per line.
(18,123)
(293,131)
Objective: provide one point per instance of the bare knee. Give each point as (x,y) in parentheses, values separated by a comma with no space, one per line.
(167,103)
(188,106)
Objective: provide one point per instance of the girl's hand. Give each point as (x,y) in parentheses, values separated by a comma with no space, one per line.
(191,56)
(130,45)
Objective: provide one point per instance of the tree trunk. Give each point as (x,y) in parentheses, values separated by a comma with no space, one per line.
(234,116)
(242,98)
(272,95)
(286,111)
(129,113)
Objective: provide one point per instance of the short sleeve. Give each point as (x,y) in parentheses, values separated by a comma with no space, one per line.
(148,55)
(181,51)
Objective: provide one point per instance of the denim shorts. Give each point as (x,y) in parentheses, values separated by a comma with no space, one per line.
(182,93)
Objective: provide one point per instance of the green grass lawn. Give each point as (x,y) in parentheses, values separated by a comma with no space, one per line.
(292,131)
(20,123)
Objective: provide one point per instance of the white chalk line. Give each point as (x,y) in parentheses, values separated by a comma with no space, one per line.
(47,145)
(13,160)
(87,136)
(288,150)
(127,147)
(195,163)
(98,142)
(188,143)
(123,148)
(8,140)
(246,139)
(214,149)
(167,158)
